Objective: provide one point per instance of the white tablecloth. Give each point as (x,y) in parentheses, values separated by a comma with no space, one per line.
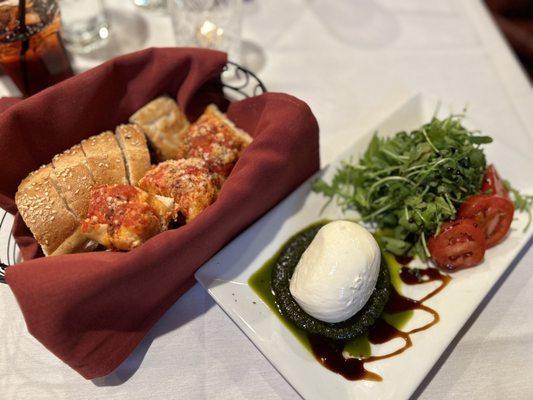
(351,66)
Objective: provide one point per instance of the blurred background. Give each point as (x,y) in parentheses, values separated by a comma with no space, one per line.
(515,20)
(52,39)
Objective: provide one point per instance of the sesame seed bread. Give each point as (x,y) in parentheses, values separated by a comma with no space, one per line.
(104,159)
(73,180)
(132,142)
(163,123)
(54,199)
(41,207)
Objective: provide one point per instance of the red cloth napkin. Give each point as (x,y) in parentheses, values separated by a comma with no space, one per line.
(92,309)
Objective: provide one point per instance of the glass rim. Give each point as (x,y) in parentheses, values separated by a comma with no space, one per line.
(15,33)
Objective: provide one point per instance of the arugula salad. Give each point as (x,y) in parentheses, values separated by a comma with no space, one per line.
(429,193)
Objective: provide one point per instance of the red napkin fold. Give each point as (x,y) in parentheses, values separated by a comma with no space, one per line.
(91,310)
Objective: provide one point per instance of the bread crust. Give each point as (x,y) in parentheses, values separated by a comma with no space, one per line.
(104,159)
(77,242)
(132,142)
(73,180)
(163,123)
(213,111)
(42,208)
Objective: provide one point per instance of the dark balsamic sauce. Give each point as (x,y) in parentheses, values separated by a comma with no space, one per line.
(330,352)
(403,260)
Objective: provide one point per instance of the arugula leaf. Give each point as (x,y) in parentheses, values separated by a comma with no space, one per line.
(522,202)
(407,185)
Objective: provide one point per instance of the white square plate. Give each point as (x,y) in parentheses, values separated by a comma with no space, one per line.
(226,275)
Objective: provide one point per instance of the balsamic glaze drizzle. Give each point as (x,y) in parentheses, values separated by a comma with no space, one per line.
(330,352)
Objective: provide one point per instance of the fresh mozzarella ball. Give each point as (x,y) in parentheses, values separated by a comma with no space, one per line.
(337,273)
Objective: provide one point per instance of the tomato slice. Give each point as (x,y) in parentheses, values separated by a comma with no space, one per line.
(492,213)
(492,183)
(460,244)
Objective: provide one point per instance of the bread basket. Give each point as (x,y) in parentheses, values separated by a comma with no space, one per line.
(238,83)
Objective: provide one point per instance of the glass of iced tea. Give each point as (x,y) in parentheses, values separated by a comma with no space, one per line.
(31,50)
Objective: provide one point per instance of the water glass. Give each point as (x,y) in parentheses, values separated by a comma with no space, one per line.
(31,51)
(214,24)
(85,26)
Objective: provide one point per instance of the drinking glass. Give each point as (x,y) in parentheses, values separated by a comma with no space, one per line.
(31,51)
(85,26)
(214,24)
(151,4)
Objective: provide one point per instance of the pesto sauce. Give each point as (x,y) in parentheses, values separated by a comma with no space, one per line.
(260,282)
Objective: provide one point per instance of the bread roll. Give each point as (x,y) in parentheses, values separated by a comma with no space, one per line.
(104,159)
(135,151)
(73,180)
(216,140)
(44,211)
(122,217)
(163,123)
(212,112)
(187,181)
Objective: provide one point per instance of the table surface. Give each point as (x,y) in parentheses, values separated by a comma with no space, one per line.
(352,63)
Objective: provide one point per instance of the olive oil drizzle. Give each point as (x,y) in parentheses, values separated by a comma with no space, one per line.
(334,354)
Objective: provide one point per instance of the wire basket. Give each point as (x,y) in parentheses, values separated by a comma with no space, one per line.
(237,82)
